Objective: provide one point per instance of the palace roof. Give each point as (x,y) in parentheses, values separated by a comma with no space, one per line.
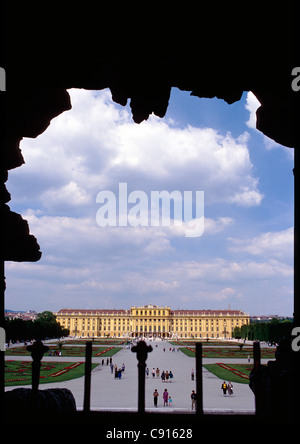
(104,311)
(183,312)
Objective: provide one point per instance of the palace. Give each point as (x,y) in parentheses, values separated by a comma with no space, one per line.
(151,321)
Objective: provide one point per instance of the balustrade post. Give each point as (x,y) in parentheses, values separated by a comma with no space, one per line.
(37,351)
(141,350)
(87,377)
(258,388)
(199,383)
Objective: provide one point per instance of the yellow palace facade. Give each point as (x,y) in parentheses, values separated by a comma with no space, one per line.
(151,321)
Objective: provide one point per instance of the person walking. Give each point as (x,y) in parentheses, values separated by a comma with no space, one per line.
(170,401)
(165,397)
(153,372)
(192,375)
(155,397)
(224,388)
(193,398)
(229,388)
(163,376)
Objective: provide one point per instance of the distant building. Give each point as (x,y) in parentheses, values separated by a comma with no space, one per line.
(151,321)
(29,315)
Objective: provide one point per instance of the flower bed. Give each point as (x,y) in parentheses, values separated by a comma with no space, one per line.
(223,352)
(104,351)
(233,370)
(20,373)
(16,379)
(239,373)
(65,369)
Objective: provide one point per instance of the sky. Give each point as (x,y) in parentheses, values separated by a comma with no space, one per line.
(244,257)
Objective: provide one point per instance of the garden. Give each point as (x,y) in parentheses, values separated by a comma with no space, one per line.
(210,342)
(65,350)
(224,352)
(19,372)
(235,373)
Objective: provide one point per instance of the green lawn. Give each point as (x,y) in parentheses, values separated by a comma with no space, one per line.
(19,373)
(234,373)
(210,342)
(67,351)
(98,341)
(224,352)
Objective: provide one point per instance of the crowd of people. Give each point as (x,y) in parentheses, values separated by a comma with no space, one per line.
(168,400)
(166,376)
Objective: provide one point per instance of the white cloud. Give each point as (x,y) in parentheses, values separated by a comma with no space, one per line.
(204,284)
(214,226)
(96,145)
(246,197)
(221,269)
(277,244)
(70,241)
(252,103)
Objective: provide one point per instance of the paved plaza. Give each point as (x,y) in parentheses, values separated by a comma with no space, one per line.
(108,393)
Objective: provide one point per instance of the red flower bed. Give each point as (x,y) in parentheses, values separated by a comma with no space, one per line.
(233,370)
(17,379)
(66,369)
(103,351)
(191,349)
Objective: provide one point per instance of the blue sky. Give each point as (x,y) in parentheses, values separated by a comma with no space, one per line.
(244,257)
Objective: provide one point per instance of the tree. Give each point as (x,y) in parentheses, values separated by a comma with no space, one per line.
(46,316)
(271,331)
(44,326)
